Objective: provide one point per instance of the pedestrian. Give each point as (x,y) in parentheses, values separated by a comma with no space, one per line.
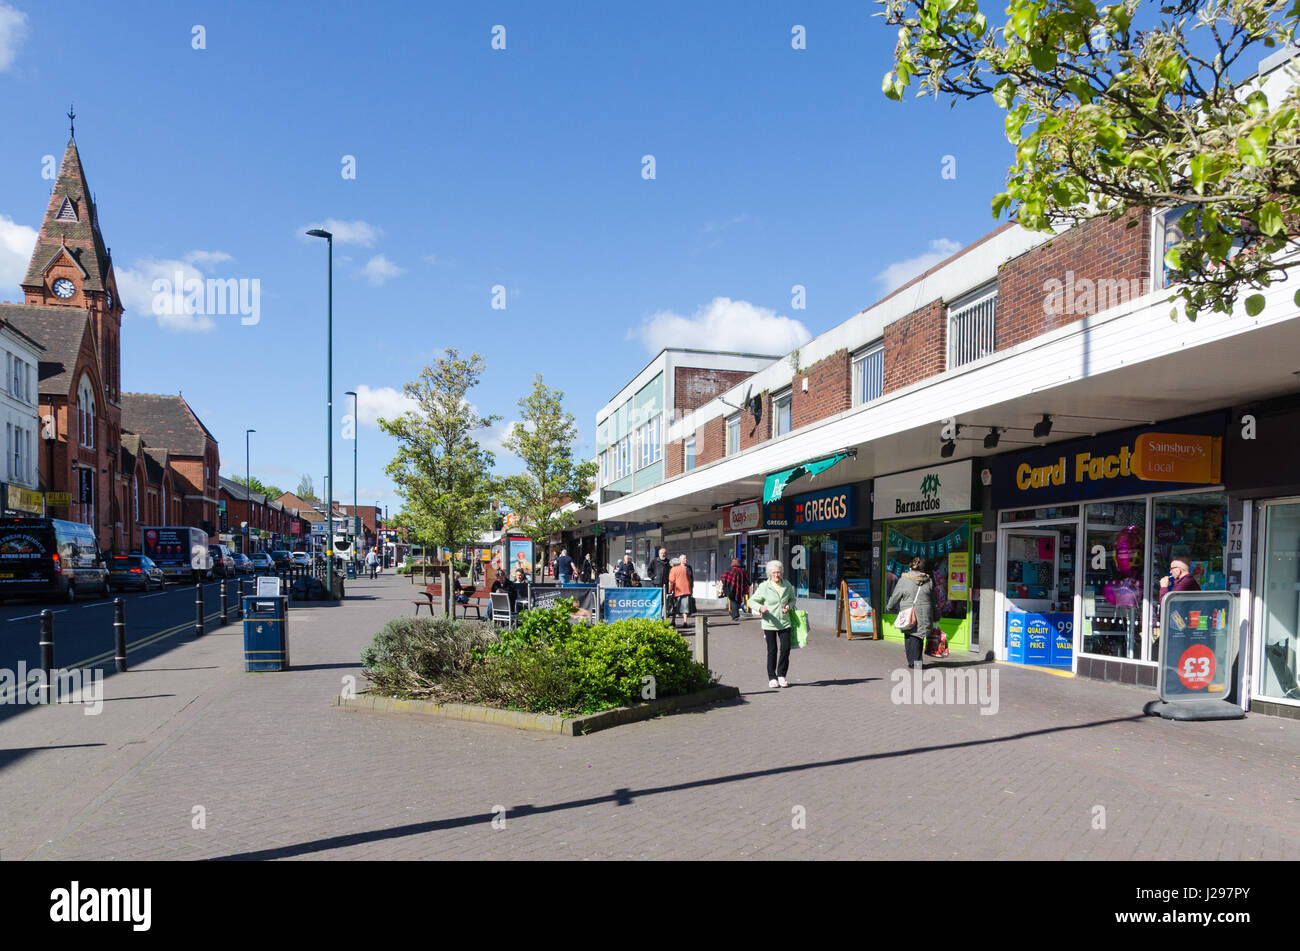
(915,590)
(588,570)
(658,569)
(679,590)
(624,572)
(564,567)
(735,585)
(774,600)
(1180,578)
(372,562)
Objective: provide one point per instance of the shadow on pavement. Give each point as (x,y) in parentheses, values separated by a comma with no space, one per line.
(9,757)
(624,796)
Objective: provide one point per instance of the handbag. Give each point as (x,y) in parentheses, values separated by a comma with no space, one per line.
(906,620)
(799,629)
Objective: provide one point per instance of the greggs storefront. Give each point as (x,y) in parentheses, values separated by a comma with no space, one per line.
(1086,531)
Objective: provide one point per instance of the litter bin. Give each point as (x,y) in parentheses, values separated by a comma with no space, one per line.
(266,633)
(352,568)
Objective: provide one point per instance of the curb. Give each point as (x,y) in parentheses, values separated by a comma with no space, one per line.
(541,722)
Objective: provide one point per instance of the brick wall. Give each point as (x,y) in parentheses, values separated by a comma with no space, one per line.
(673,459)
(711,441)
(916,346)
(751,435)
(828,390)
(1085,271)
(695,386)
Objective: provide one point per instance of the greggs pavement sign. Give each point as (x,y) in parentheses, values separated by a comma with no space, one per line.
(1180,454)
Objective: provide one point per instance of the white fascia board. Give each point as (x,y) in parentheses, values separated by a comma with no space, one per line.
(1132,333)
(658,364)
(977,266)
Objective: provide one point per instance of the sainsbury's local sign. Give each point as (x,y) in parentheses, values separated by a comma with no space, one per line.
(930,491)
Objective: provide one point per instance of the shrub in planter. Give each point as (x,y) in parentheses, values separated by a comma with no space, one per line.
(410,652)
(546,626)
(611,661)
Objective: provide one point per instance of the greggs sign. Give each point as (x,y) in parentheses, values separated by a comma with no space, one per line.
(1188,453)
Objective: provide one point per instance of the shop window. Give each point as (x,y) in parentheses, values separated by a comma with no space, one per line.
(782,418)
(946,545)
(821,578)
(1040,515)
(1279,591)
(1114,578)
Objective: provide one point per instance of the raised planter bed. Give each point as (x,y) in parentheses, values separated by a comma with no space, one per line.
(541,722)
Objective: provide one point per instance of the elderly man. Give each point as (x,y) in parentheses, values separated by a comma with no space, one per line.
(1180,578)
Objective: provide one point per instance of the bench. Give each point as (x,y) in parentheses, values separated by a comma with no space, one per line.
(476,602)
(431,591)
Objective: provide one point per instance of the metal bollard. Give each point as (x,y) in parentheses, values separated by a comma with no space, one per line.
(47,653)
(239,605)
(225,602)
(198,610)
(702,639)
(119,632)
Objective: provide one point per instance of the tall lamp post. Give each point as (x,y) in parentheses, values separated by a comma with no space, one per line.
(329,412)
(354,466)
(248,489)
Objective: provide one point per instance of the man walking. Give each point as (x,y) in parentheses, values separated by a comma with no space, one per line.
(735,585)
(372,562)
(564,567)
(658,569)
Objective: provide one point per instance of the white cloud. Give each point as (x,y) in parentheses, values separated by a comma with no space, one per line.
(900,272)
(724,324)
(136,286)
(381,402)
(347,232)
(494,438)
(379,270)
(13,31)
(16,244)
(206,258)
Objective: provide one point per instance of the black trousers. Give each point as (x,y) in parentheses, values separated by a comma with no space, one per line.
(777,664)
(734,606)
(914,646)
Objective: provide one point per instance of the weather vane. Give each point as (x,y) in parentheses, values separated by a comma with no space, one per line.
(72,121)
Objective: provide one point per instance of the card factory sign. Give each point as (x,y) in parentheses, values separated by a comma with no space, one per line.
(742,517)
(930,491)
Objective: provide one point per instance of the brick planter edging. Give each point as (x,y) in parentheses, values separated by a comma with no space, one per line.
(541,722)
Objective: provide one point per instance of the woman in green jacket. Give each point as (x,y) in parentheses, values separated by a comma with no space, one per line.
(774,602)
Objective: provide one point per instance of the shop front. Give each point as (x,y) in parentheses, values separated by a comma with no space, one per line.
(826,541)
(927,514)
(1262,473)
(1086,531)
(744,535)
(639,539)
(698,540)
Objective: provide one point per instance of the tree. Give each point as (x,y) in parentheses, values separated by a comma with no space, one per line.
(1119,107)
(260,487)
(306,488)
(543,439)
(440,469)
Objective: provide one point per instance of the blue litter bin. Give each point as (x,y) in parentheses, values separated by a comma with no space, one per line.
(266,633)
(352,569)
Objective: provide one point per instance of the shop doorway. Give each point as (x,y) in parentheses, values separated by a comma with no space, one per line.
(1036,578)
(949,546)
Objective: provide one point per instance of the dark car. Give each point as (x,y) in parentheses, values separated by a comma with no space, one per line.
(281,559)
(49,557)
(134,571)
(223,563)
(263,563)
(243,564)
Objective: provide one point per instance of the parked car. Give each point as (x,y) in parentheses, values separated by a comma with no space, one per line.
(243,564)
(49,557)
(301,559)
(223,561)
(262,562)
(134,571)
(282,559)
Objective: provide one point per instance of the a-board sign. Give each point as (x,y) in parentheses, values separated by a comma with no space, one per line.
(1196,645)
(853,612)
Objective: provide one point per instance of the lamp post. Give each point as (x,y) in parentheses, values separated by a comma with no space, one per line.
(329,410)
(353,394)
(248,489)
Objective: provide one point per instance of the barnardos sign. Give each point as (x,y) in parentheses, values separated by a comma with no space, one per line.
(930,491)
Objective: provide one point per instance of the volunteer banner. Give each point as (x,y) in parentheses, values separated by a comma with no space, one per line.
(954,541)
(621,604)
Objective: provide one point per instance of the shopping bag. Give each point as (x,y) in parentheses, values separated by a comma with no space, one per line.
(799,629)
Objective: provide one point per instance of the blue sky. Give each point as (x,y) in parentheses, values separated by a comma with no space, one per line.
(477,167)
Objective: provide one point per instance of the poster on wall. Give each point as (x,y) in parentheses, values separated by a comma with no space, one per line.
(521,555)
(959,576)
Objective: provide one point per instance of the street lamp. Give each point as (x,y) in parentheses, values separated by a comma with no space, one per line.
(352,394)
(329,411)
(248,487)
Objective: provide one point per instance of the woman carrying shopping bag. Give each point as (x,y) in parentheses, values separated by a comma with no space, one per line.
(917,603)
(773,601)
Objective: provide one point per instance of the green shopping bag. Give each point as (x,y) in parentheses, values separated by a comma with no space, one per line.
(799,629)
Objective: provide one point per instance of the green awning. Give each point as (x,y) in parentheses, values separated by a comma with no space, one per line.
(775,484)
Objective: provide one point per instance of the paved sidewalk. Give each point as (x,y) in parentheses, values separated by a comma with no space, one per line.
(279,773)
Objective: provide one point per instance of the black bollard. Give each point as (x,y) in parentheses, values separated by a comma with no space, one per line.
(224,604)
(119,632)
(47,653)
(239,605)
(198,610)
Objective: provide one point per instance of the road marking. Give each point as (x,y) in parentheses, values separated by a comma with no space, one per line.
(145,597)
(28,617)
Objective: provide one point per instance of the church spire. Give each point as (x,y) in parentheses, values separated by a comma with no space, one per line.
(70,223)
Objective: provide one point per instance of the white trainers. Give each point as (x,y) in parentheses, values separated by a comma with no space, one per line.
(771,683)
(781,681)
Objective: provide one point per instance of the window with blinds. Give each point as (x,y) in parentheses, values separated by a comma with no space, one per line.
(971,323)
